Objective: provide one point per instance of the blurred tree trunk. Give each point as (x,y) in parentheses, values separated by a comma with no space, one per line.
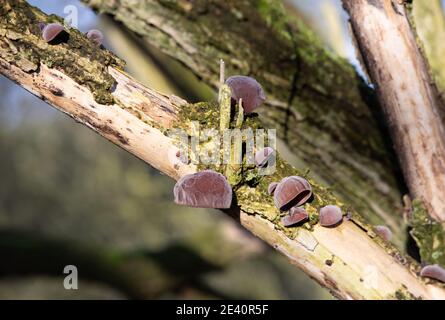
(429,21)
(321,108)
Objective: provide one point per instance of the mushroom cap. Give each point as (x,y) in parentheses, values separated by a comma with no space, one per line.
(433,271)
(263,156)
(384,232)
(95,36)
(248,89)
(272,187)
(205,189)
(41,26)
(296,215)
(330,216)
(50,31)
(292,191)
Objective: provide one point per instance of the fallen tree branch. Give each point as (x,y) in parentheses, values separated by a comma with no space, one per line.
(407,92)
(349,260)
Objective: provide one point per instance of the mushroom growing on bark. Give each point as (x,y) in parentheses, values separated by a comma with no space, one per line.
(384,232)
(96,36)
(292,191)
(330,216)
(247,89)
(272,187)
(50,31)
(263,156)
(296,215)
(205,189)
(433,271)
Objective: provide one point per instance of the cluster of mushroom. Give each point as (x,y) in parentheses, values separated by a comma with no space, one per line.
(52,31)
(293,192)
(210,189)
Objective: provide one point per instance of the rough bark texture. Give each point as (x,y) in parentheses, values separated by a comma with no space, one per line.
(350,260)
(407,93)
(321,108)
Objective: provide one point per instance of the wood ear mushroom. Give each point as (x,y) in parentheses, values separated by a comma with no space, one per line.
(292,191)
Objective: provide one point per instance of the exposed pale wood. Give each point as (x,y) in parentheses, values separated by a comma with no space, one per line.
(356,256)
(410,100)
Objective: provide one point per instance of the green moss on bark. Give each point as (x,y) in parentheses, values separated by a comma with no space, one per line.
(21,44)
(428,235)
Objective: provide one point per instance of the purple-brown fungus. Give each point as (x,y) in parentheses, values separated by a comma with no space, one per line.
(433,271)
(41,26)
(384,232)
(330,216)
(263,156)
(96,36)
(248,89)
(296,215)
(272,187)
(205,189)
(51,31)
(292,191)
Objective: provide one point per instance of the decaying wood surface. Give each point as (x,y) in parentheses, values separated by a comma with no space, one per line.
(407,93)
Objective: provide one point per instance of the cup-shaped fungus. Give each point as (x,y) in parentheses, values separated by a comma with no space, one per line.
(292,191)
(271,188)
(96,36)
(296,215)
(433,271)
(263,156)
(205,189)
(330,216)
(51,31)
(247,89)
(384,232)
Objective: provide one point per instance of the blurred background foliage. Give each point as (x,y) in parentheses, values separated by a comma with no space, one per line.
(62,182)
